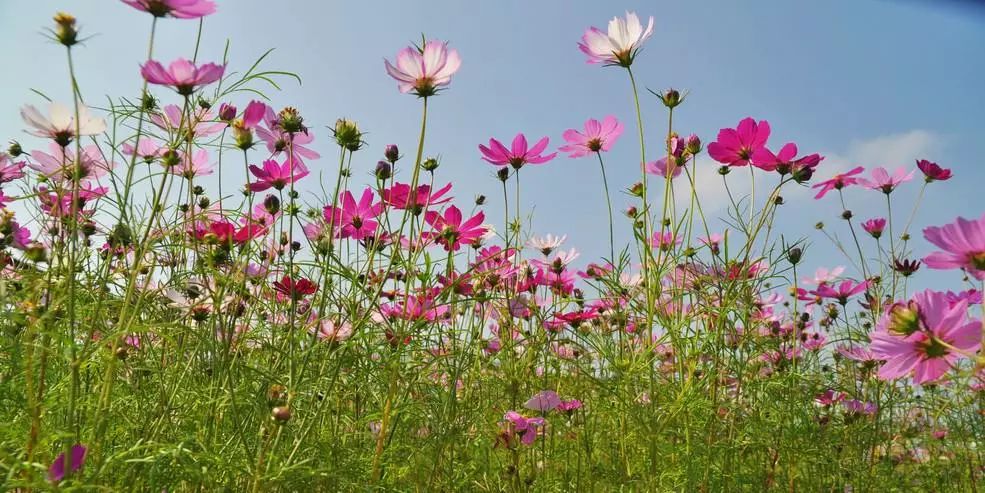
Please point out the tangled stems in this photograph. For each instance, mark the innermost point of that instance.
(608, 203)
(128, 182)
(647, 248)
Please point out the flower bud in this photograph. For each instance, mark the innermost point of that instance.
(846, 215)
(227, 112)
(290, 121)
(794, 255)
(430, 164)
(271, 204)
(391, 153)
(384, 170)
(503, 174)
(631, 211)
(637, 189)
(480, 199)
(347, 135)
(671, 98)
(281, 414)
(15, 149)
(693, 145)
(724, 170)
(65, 30)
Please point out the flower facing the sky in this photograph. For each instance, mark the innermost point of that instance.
(424, 71)
(179, 9)
(60, 124)
(736, 146)
(518, 154)
(183, 75)
(450, 230)
(620, 44)
(874, 226)
(356, 220)
(924, 338)
(597, 137)
(277, 175)
(962, 245)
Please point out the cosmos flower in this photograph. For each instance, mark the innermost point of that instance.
(526, 428)
(60, 123)
(736, 146)
(884, 182)
(183, 75)
(518, 154)
(295, 289)
(924, 339)
(76, 459)
(874, 226)
(839, 181)
(450, 230)
(597, 137)
(543, 401)
(279, 141)
(60, 164)
(10, 170)
(179, 9)
(195, 165)
(932, 171)
(620, 45)
(400, 197)
(277, 176)
(172, 119)
(353, 219)
(786, 161)
(962, 245)
(424, 71)
(546, 244)
(846, 289)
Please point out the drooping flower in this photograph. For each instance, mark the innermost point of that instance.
(884, 182)
(424, 71)
(353, 219)
(942, 334)
(179, 9)
(76, 459)
(277, 175)
(60, 123)
(518, 154)
(839, 181)
(620, 45)
(962, 245)
(736, 146)
(932, 171)
(183, 75)
(597, 137)
(450, 230)
(874, 226)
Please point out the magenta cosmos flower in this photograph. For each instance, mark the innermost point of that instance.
(523, 426)
(424, 71)
(598, 137)
(874, 226)
(786, 161)
(277, 175)
(450, 231)
(839, 181)
(736, 146)
(179, 9)
(76, 458)
(619, 45)
(884, 182)
(933, 171)
(181, 74)
(925, 337)
(962, 245)
(518, 154)
(353, 219)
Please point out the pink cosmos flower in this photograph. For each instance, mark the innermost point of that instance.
(861, 354)
(843, 291)
(598, 137)
(451, 231)
(527, 428)
(963, 246)
(60, 165)
(664, 241)
(736, 146)
(60, 124)
(10, 170)
(882, 181)
(424, 70)
(179, 9)
(786, 161)
(926, 338)
(421, 307)
(329, 331)
(295, 289)
(277, 175)
(277, 139)
(76, 458)
(543, 401)
(659, 168)
(196, 165)
(518, 154)
(146, 149)
(823, 275)
(181, 74)
(400, 197)
(874, 226)
(933, 171)
(829, 397)
(353, 219)
(200, 124)
(839, 181)
(620, 45)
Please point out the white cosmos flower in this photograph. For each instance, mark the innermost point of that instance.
(60, 122)
(620, 44)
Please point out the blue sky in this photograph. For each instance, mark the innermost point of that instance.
(862, 81)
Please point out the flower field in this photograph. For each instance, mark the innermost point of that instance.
(167, 328)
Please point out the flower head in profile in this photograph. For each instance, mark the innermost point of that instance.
(962, 245)
(518, 154)
(933, 171)
(874, 226)
(356, 220)
(294, 289)
(451, 231)
(620, 45)
(401, 197)
(277, 176)
(424, 70)
(936, 335)
(546, 244)
(10, 170)
(736, 146)
(884, 182)
(839, 181)
(522, 426)
(179, 9)
(597, 137)
(543, 401)
(76, 458)
(844, 290)
(183, 75)
(787, 162)
(60, 124)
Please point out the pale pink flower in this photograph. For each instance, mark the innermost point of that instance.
(183, 75)
(424, 71)
(179, 9)
(597, 137)
(60, 124)
(620, 45)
